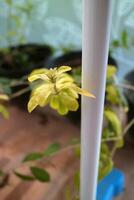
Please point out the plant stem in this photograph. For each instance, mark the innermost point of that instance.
(111, 139)
(129, 125)
(126, 86)
(20, 92)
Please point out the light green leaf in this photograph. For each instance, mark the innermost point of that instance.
(120, 143)
(54, 102)
(113, 120)
(32, 104)
(4, 111)
(53, 148)
(63, 69)
(113, 94)
(105, 166)
(111, 71)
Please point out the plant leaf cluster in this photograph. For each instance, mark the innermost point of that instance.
(57, 88)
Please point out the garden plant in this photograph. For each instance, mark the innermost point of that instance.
(60, 89)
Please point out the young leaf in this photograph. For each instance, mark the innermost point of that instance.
(33, 157)
(40, 174)
(113, 120)
(105, 166)
(24, 177)
(111, 71)
(53, 148)
(4, 111)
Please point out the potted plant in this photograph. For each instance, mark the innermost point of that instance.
(58, 89)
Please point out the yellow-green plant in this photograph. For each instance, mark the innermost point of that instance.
(3, 109)
(57, 88)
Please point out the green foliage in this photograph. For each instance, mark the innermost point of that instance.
(124, 39)
(106, 163)
(4, 111)
(122, 42)
(5, 86)
(53, 148)
(33, 157)
(111, 72)
(115, 43)
(57, 89)
(40, 174)
(57, 79)
(24, 177)
(114, 123)
(114, 95)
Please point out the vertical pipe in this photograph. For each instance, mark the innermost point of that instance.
(96, 31)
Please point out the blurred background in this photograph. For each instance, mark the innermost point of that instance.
(44, 34)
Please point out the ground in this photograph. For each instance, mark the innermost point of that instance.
(24, 133)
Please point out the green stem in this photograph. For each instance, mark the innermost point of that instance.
(129, 125)
(125, 86)
(20, 92)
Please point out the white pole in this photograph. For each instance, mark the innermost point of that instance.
(96, 31)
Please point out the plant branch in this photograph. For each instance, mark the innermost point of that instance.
(126, 86)
(19, 93)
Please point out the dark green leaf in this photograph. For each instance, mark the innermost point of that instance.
(40, 174)
(24, 177)
(53, 148)
(115, 43)
(33, 157)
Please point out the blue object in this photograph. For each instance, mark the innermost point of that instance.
(111, 186)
